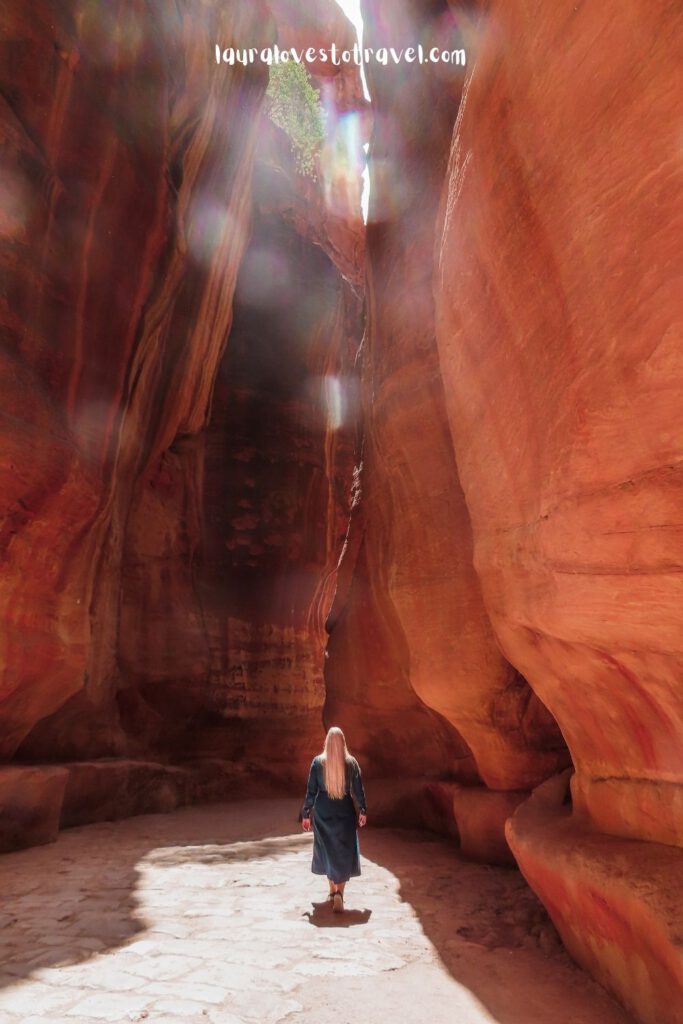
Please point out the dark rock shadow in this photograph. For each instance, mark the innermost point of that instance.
(68, 901)
(234, 854)
(491, 932)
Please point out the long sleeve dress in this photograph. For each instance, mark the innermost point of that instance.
(336, 852)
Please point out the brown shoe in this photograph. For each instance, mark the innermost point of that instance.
(337, 903)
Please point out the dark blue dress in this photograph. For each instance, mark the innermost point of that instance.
(335, 839)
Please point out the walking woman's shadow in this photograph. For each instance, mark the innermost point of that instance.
(323, 916)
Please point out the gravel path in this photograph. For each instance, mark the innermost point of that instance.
(210, 915)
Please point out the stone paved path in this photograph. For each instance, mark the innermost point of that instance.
(211, 916)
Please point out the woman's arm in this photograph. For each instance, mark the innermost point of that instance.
(358, 793)
(309, 800)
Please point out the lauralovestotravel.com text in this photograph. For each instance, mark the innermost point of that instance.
(333, 54)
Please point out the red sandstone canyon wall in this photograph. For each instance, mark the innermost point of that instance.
(558, 325)
(267, 513)
(116, 130)
(414, 643)
(127, 210)
(280, 447)
(193, 435)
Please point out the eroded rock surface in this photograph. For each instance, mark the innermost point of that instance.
(562, 365)
(116, 130)
(413, 657)
(617, 902)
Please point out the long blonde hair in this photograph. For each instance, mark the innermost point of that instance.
(335, 758)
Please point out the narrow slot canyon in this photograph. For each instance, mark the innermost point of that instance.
(341, 398)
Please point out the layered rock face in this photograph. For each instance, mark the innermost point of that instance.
(127, 210)
(557, 300)
(267, 511)
(117, 131)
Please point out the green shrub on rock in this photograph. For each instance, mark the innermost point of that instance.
(296, 108)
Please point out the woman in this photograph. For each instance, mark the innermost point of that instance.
(333, 782)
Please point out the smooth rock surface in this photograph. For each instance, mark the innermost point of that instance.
(115, 309)
(558, 299)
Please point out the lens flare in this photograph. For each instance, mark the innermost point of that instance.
(342, 164)
(334, 401)
(208, 223)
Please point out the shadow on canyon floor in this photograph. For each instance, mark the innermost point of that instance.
(66, 903)
(322, 916)
(492, 934)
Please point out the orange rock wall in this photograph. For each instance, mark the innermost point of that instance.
(616, 902)
(558, 299)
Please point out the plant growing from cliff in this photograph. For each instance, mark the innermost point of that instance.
(296, 108)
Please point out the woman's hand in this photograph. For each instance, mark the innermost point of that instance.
(362, 819)
(306, 824)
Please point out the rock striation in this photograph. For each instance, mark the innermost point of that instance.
(557, 305)
(158, 575)
(113, 327)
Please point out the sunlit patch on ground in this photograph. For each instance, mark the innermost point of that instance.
(212, 914)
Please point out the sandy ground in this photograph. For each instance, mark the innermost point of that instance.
(211, 916)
